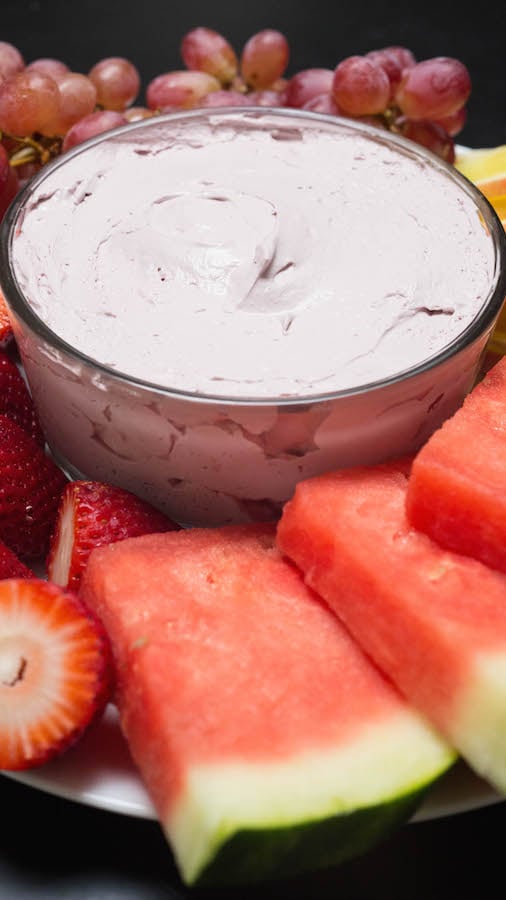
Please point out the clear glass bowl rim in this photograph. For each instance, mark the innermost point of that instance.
(480, 324)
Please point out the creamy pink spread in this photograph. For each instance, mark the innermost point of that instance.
(250, 256)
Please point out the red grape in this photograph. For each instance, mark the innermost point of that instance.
(306, 85)
(11, 60)
(28, 101)
(117, 82)
(96, 123)
(264, 58)
(11, 144)
(8, 190)
(434, 88)
(360, 87)
(180, 89)
(226, 98)
(279, 85)
(55, 68)
(429, 135)
(324, 103)
(4, 167)
(26, 171)
(78, 97)
(265, 98)
(394, 60)
(454, 124)
(404, 57)
(205, 50)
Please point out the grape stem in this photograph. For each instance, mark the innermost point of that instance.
(390, 115)
(30, 149)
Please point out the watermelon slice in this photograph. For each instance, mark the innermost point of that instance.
(457, 489)
(433, 620)
(267, 740)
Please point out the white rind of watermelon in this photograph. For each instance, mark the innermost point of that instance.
(479, 726)
(378, 765)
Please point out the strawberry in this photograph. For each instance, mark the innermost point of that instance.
(11, 566)
(6, 332)
(31, 485)
(55, 671)
(15, 399)
(92, 513)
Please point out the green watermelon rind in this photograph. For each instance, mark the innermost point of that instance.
(269, 853)
(226, 833)
(261, 818)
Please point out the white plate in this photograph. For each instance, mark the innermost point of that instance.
(99, 772)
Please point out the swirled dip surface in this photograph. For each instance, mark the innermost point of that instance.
(253, 256)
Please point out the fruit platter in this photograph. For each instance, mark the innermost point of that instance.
(276, 698)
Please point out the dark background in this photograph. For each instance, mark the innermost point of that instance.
(52, 848)
(321, 33)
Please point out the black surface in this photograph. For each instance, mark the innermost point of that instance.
(51, 848)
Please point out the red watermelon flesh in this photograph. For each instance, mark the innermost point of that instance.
(457, 490)
(434, 621)
(266, 738)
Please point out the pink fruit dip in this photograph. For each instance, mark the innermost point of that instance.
(212, 306)
(253, 257)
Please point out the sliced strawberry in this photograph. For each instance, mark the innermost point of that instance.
(55, 671)
(91, 514)
(11, 566)
(15, 399)
(6, 332)
(31, 485)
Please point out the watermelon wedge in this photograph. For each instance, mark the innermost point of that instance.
(269, 743)
(457, 490)
(433, 620)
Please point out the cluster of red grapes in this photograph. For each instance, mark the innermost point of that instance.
(45, 108)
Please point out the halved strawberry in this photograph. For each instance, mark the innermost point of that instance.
(15, 398)
(93, 513)
(55, 671)
(6, 332)
(31, 485)
(11, 566)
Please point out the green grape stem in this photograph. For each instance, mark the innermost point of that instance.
(36, 148)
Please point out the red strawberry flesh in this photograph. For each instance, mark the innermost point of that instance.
(11, 566)
(15, 399)
(55, 671)
(91, 514)
(31, 485)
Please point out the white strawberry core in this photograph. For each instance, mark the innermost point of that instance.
(60, 564)
(31, 668)
(12, 665)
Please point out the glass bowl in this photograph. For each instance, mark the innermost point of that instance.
(210, 457)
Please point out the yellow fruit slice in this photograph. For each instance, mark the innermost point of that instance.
(499, 204)
(486, 167)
